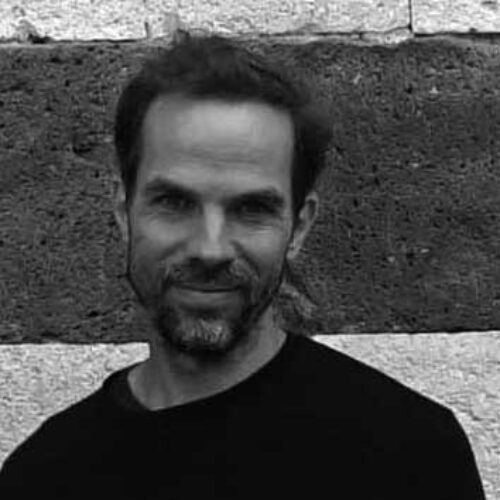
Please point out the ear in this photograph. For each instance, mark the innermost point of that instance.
(304, 222)
(120, 211)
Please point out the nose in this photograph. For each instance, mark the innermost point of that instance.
(210, 240)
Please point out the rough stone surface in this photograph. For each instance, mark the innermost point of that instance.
(83, 19)
(409, 230)
(459, 16)
(276, 16)
(460, 371)
(138, 19)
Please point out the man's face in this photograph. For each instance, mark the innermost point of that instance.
(211, 219)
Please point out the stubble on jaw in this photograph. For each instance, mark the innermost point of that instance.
(201, 333)
(209, 334)
(195, 334)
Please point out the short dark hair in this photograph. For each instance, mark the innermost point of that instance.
(215, 67)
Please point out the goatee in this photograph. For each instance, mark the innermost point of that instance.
(204, 332)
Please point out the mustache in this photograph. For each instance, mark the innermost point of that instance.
(219, 275)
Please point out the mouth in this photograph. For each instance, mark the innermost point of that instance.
(209, 290)
(206, 288)
(209, 296)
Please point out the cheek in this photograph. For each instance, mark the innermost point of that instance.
(147, 260)
(154, 239)
(155, 233)
(267, 250)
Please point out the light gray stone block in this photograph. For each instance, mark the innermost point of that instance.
(461, 16)
(309, 16)
(83, 19)
(359, 16)
(137, 19)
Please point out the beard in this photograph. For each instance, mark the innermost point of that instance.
(204, 332)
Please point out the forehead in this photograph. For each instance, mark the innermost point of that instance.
(214, 144)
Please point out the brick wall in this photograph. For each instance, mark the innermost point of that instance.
(403, 263)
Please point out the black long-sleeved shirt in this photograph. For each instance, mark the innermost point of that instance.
(312, 422)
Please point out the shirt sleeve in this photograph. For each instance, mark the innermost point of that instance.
(468, 484)
(448, 469)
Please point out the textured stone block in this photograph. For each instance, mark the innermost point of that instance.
(409, 230)
(84, 19)
(310, 16)
(435, 16)
(366, 15)
(461, 371)
(137, 19)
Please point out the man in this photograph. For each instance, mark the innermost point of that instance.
(218, 156)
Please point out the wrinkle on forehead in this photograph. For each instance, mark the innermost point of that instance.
(224, 153)
(219, 129)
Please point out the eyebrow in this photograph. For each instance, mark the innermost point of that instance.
(270, 196)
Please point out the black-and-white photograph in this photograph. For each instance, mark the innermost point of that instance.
(250, 249)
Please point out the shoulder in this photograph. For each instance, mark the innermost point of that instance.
(398, 427)
(340, 383)
(68, 429)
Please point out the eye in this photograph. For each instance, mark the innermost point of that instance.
(174, 202)
(253, 209)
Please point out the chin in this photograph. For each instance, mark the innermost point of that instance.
(207, 332)
(201, 337)
(201, 349)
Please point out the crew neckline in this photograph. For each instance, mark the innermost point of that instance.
(117, 388)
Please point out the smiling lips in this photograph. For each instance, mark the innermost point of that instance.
(209, 289)
(204, 295)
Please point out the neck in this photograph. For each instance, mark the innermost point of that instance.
(170, 378)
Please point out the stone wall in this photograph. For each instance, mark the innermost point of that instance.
(406, 246)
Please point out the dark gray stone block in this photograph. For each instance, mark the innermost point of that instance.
(409, 233)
